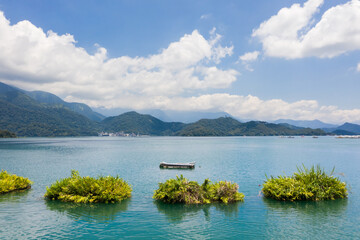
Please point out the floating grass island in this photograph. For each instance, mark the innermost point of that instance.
(181, 190)
(306, 185)
(89, 190)
(11, 182)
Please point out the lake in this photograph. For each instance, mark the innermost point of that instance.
(244, 160)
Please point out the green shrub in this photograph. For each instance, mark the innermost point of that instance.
(181, 190)
(307, 184)
(89, 190)
(11, 182)
(225, 192)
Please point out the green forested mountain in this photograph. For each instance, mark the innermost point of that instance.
(53, 100)
(24, 116)
(350, 127)
(224, 126)
(133, 122)
(227, 126)
(44, 114)
(306, 123)
(211, 127)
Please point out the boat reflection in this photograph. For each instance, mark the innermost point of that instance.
(95, 212)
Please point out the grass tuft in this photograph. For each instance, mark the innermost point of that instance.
(312, 184)
(11, 182)
(181, 190)
(89, 190)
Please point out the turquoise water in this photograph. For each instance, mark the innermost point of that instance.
(244, 160)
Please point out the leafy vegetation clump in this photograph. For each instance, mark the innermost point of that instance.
(181, 190)
(89, 190)
(7, 134)
(307, 184)
(11, 182)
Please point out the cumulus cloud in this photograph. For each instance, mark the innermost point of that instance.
(31, 58)
(243, 107)
(358, 67)
(249, 57)
(293, 33)
(34, 60)
(219, 51)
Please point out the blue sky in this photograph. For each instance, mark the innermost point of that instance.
(260, 60)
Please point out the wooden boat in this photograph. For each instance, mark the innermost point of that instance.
(177, 165)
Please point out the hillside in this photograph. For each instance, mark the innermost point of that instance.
(26, 117)
(133, 122)
(306, 123)
(211, 127)
(55, 101)
(44, 114)
(350, 127)
(226, 126)
(52, 100)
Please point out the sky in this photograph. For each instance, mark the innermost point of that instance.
(260, 60)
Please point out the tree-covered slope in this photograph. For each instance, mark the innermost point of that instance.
(53, 100)
(211, 127)
(350, 127)
(44, 114)
(26, 117)
(231, 127)
(133, 122)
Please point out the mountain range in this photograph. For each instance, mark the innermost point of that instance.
(344, 129)
(133, 122)
(23, 115)
(306, 123)
(38, 113)
(166, 115)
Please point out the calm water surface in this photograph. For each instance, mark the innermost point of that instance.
(244, 160)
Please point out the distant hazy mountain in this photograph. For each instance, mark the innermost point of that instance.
(345, 129)
(343, 132)
(306, 123)
(350, 127)
(166, 115)
(25, 116)
(290, 126)
(190, 116)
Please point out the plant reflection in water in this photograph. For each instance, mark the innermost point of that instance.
(178, 212)
(96, 212)
(15, 196)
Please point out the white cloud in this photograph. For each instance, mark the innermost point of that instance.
(47, 61)
(205, 16)
(218, 51)
(34, 60)
(358, 67)
(292, 33)
(249, 57)
(243, 107)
